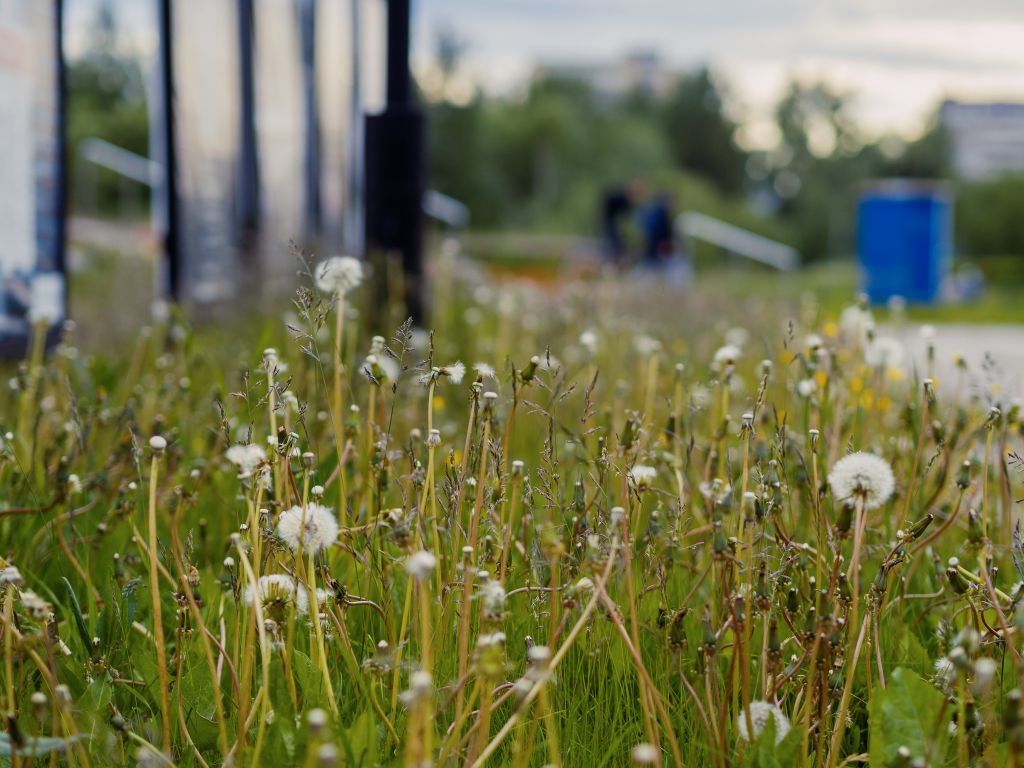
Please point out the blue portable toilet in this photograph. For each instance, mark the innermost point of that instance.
(904, 239)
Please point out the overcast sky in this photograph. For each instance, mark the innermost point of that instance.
(898, 57)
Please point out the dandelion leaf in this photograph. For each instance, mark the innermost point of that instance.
(905, 714)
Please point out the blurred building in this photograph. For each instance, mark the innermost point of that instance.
(640, 71)
(987, 139)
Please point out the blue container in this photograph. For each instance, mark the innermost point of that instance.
(904, 240)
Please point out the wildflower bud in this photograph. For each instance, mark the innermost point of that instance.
(434, 438)
(327, 756)
(845, 519)
(308, 459)
(616, 516)
(317, 491)
(316, 719)
(530, 370)
(956, 579)
(157, 444)
(1012, 709)
(517, 468)
(984, 676)
(918, 528)
(792, 600)
(994, 417)
(539, 654)
(975, 534)
(62, 695)
(490, 398)
(958, 656)
(929, 390)
(968, 639)
(748, 421)
(38, 700)
(813, 434)
(963, 477)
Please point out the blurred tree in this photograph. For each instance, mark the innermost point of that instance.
(106, 99)
(988, 217)
(700, 135)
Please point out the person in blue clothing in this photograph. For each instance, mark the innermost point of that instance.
(659, 240)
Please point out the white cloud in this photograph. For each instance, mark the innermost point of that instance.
(899, 59)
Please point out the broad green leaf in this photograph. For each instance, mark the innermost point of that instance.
(905, 714)
(359, 740)
(311, 681)
(197, 696)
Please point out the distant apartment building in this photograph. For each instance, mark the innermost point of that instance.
(642, 71)
(987, 140)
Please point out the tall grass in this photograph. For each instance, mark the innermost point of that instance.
(620, 544)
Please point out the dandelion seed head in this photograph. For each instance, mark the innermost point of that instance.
(420, 564)
(727, 354)
(484, 371)
(645, 754)
(884, 352)
(246, 458)
(314, 528)
(760, 713)
(338, 274)
(646, 345)
(642, 476)
(862, 475)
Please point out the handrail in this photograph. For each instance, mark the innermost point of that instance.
(445, 209)
(742, 242)
(121, 161)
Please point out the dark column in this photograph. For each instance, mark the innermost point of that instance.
(168, 199)
(248, 172)
(395, 165)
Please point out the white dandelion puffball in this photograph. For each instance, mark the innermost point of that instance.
(737, 336)
(454, 372)
(484, 371)
(885, 352)
(806, 387)
(855, 322)
(314, 528)
(338, 274)
(865, 475)
(303, 604)
(420, 564)
(646, 345)
(727, 355)
(588, 340)
(760, 711)
(246, 458)
(642, 475)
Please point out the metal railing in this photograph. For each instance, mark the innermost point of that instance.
(700, 226)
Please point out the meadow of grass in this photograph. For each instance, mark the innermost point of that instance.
(625, 528)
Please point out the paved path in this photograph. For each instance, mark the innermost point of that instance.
(994, 355)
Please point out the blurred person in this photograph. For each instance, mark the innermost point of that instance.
(662, 250)
(616, 205)
(659, 240)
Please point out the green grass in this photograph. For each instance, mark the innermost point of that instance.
(675, 599)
